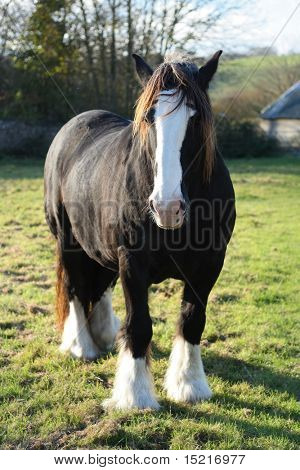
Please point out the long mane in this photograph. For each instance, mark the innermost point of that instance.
(181, 76)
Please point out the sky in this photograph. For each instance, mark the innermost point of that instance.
(260, 21)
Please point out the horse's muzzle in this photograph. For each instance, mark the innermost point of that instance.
(168, 214)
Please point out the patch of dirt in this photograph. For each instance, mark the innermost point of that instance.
(106, 383)
(11, 222)
(35, 224)
(36, 310)
(205, 436)
(19, 325)
(43, 286)
(13, 273)
(213, 338)
(216, 337)
(224, 298)
(5, 357)
(167, 289)
(27, 335)
(247, 412)
(21, 279)
(96, 432)
(6, 290)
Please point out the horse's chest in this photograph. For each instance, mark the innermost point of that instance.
(173, 263)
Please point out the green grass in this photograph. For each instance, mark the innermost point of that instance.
(249, 346)
(234, 73)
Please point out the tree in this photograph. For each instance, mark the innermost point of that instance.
(89, 52)
(76, 54)
(47, 59)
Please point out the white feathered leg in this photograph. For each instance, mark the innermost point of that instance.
(133, 387)
(104, 324)
(76, 338)
(185, 380)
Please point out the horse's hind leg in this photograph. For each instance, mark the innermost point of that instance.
(75, 272)
(104, 324)
(91, 325)
(76, 337)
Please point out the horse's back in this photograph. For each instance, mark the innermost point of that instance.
(76, 153)
(80, 134)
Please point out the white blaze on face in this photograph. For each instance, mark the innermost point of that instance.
(171, 125)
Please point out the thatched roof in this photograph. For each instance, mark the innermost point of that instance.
(286, 107)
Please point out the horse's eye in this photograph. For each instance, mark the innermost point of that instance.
(149, 116)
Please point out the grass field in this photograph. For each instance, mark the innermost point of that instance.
(249, 346)
(232, 73)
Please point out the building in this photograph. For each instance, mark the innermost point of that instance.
(281, 119)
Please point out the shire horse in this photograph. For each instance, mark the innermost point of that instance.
(143, 200)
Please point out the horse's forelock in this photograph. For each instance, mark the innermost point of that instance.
(181, 76)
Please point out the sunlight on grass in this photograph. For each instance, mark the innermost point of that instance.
(249, 345)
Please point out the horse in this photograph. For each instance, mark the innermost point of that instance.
(143, 201)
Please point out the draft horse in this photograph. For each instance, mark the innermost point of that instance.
(143, 200)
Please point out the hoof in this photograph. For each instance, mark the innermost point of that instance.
(77, 352)
(189, 392)
(125, 404)
(133, 385)
(185, 378)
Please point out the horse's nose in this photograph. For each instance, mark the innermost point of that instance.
(168, 214)
(166, 206)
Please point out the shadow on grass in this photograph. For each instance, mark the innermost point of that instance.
(245, 426)
(236, 371)
(154, 437)
(161, 439)
(140, 430)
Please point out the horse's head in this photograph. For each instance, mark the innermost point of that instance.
(173, 101)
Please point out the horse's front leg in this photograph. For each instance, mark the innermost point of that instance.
(133, 386)
(185, 379)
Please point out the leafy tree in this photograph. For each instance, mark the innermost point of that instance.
(47, 61)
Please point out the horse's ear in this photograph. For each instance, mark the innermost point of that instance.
(144, 70)
(207, 71)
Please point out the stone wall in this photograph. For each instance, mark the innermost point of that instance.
(21, 138)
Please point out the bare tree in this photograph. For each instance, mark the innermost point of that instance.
(89, 50)
(13, 17)
(101, 27)
(129, 67)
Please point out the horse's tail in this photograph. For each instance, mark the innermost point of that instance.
(62, 301)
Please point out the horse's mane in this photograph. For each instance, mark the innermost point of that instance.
(180, 74)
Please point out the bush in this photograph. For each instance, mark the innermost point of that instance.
(243, 139)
